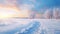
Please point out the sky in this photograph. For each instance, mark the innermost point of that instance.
(36, 4)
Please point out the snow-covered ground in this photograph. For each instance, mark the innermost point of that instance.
(29, 26)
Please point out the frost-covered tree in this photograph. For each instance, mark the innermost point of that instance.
(48, 14)
(56, 13)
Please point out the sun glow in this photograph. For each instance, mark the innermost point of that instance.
(8, 12)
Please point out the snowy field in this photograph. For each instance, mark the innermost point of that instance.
(29, 26)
